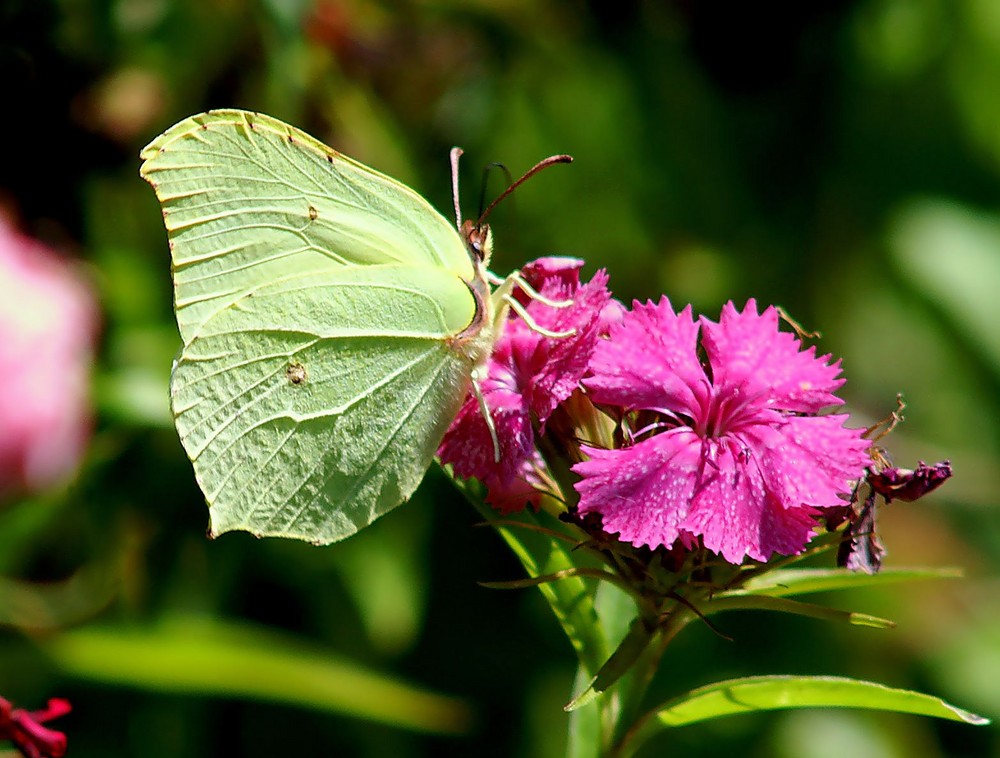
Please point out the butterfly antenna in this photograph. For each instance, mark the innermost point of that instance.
(456, 153)
(551, 160)
(486, 179)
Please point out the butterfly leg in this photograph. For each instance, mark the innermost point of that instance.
(484, 409)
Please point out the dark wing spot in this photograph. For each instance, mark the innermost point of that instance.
(296, 373)
(291, 139)
(329, 159)
(313, 213)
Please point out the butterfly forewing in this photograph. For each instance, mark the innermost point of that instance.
(248, 199)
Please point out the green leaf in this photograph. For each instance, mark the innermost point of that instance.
(786, 582)
(238, 660)
(640, 635)
(585, 738)
(765, 693)
(781, 605)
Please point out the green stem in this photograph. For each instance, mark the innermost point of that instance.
(634, 690)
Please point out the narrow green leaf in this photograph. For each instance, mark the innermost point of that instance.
(782, 605)
(640, 634)
(585, 738)
(765, 693)
(787, 582)
(214, 658)
(581, 572)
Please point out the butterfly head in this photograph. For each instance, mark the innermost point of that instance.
(478, 239)
(476, 234)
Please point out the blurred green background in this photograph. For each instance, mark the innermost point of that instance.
(841, 159)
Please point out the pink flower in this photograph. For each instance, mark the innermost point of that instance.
(735, 453)
(528, 375)
(48, 323)
(24, 729)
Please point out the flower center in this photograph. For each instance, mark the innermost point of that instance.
(725, 410)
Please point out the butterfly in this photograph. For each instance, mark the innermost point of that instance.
(332, 323)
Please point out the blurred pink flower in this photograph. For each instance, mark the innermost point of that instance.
(737, 455)
(48, 324)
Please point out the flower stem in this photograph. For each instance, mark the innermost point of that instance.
(635, 687)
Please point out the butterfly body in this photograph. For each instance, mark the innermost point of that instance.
(331, 321)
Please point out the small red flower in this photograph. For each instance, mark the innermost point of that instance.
(24, 729)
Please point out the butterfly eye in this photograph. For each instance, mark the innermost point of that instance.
(478, 240)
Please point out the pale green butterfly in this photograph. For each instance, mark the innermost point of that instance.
(332, 324)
